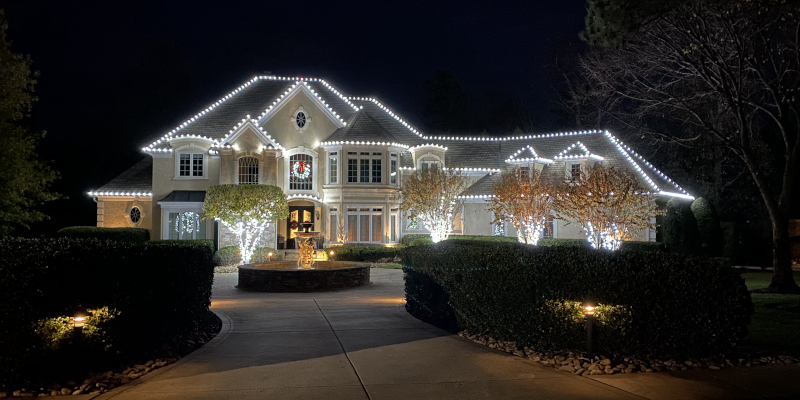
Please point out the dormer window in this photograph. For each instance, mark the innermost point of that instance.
(574, 171)
(426, 166)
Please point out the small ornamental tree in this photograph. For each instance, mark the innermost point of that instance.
(610, 204)
(524, 199)
(432, 197)
(246, 210)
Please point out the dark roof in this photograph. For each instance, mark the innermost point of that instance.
(138, 178)
(253, 100)
(185, 196)
(362, 128)
(483, 186)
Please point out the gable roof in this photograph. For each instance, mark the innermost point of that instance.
(367, 120)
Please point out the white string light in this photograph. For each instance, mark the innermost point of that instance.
(512, 159)
(119, 193)
(356, 143)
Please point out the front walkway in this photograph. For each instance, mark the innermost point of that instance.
(361, 344)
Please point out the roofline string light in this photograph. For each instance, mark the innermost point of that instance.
(304, 196)
(513, 160)
(422, 146)
(354, 143)
(119, 193)
(222, 145)
(624, 150)
(564, 154)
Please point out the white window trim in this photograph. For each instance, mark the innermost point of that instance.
(294, 119)
(370, 157)
(314, 170)
(398, 223)
(568, 169)
(338, 158)
(394, 157)
(358, 226)
(191, 152)
(260, 168)
(177, 207)
(425, 159)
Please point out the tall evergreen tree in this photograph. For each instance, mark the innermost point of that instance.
(24, 178)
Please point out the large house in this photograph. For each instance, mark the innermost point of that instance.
(340, 160)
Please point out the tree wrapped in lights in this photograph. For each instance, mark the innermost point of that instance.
(246, 210)
(432, 197)
(611, 205)
(523, 198)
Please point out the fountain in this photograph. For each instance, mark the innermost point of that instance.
(306, 275)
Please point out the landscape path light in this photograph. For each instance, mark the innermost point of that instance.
(588, 312)
(269, 256)
(78, 322)
(331, 254)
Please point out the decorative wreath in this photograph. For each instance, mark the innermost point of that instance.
(188, 220)
(301, 170)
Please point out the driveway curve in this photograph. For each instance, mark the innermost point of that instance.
(351, 344)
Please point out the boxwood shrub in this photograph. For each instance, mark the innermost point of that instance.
(648, 303)
(228, 255)
(260, 255)
(406, 239)
(139, 235)
(363, 253)
(160, 289)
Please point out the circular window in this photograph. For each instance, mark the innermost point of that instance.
(136, 215)
(300, 119)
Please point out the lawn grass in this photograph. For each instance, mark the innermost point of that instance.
(775, 327)
(390, 266)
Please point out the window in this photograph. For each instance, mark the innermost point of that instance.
(575, 171)
(334, 225)
(549, 230)
(429, 165)
(393, 169)
(300, 119)
(190, 164)
(365, 167)
(525, 170)
(365, 224)
(135, 215)
(333, 167)
(393, 225)
(300, 172)
(352, 170)
(248, 171)
(364, 163)
(376, 170)
(186, 225)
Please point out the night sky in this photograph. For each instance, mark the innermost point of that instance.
(113, 77)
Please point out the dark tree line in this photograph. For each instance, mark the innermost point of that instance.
(713, 81)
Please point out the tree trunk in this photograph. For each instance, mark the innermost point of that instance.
(782, 278)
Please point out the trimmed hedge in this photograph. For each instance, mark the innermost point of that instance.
(363, 253)
(228, 255)
(709, 226)
(160, 289)
(260, 255)
(681, 234)
(419, 241)
(406, 239)
(138, 235)
(555, 242)
(648, 303)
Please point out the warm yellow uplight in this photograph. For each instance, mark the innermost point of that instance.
(588, 310)
(331, 253)
(78, 322)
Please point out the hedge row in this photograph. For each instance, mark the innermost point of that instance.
(230, 255)
(138, 235)
(648, 303)
(159, 289)
(363, 253)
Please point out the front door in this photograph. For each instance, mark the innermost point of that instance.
(297, 215)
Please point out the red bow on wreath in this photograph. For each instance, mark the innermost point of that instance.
(294, 224)
(301, 167)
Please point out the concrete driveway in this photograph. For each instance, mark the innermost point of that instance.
(361, 344)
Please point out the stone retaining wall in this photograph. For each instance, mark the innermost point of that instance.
(266, 280)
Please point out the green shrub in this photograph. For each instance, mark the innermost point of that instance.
(405, 240)
(709, 226)
(642, 246)
(648, 303)
(508, 239)
(228, 255)
(363, 253)
(260, 255)
(419, 241)
(681, 234)
(138, 235)
(150, 292)
(555, 242)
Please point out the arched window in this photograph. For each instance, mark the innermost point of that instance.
(301, 172)
(248, 171)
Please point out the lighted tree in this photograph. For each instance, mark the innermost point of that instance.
(246, 210)
(432, 197)
(523, 198)
(610, 204)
